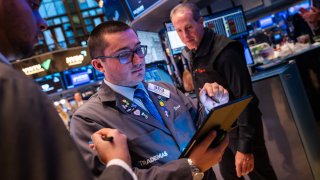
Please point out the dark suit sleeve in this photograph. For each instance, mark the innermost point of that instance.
(232, 66)
(34, 141)
(115, 172)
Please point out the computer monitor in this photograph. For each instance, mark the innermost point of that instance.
(155, 51)
(295, 9)
(78, 76)
(266, 22)
(230, 23)
(137, 8)
(157, 72)
(50, 83)
(277, 36)
(247, 52)
(175, 43)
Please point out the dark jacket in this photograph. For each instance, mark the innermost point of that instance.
(35, 144)
(221, 60)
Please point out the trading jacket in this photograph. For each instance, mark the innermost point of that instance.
(151, 144)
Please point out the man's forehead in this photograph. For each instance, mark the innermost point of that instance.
(184, 11)
(122, 35)
(182, 15)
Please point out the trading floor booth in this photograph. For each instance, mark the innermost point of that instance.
(291, 133)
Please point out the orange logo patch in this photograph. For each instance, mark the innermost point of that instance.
(199, 70)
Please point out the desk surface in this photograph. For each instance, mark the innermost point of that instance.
(269, 73)
(312, 47)
(275, 71)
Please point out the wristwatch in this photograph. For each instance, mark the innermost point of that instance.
(196, 173)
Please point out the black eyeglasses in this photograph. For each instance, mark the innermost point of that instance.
(126, 56)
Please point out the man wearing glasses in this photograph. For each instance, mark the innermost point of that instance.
(157, 119)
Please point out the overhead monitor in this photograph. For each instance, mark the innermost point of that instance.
(295, 9)
(137, 8)
(266, 22)
(281, 15)
(50, 83)
(230, 23)
(155, 51)
(175, 43)
(78, 76)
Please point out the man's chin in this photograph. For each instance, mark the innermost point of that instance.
(191, 46)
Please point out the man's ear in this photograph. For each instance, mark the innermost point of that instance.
(96, 63)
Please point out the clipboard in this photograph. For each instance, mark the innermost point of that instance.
(220, 119)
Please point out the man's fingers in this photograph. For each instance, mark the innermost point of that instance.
(239, 170)
(244, 167)
(208, 140)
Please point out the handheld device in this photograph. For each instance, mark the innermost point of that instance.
(220, 119)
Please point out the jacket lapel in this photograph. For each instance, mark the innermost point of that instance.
(126, 106)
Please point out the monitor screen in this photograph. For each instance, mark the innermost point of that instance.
(175, 43)
(51, 83)
(277, 36)
(266, 22)
(78, 76)
(230, 23)
(295, 9)
(137, 8)
(152, 40)
(157, 72)
(247, 52)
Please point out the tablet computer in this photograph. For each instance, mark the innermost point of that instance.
(220, 119)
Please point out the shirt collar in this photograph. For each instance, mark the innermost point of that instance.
(125, 91)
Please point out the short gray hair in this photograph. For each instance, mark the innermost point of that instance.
(190, 6)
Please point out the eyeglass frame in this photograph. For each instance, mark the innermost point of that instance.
(127, 59)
